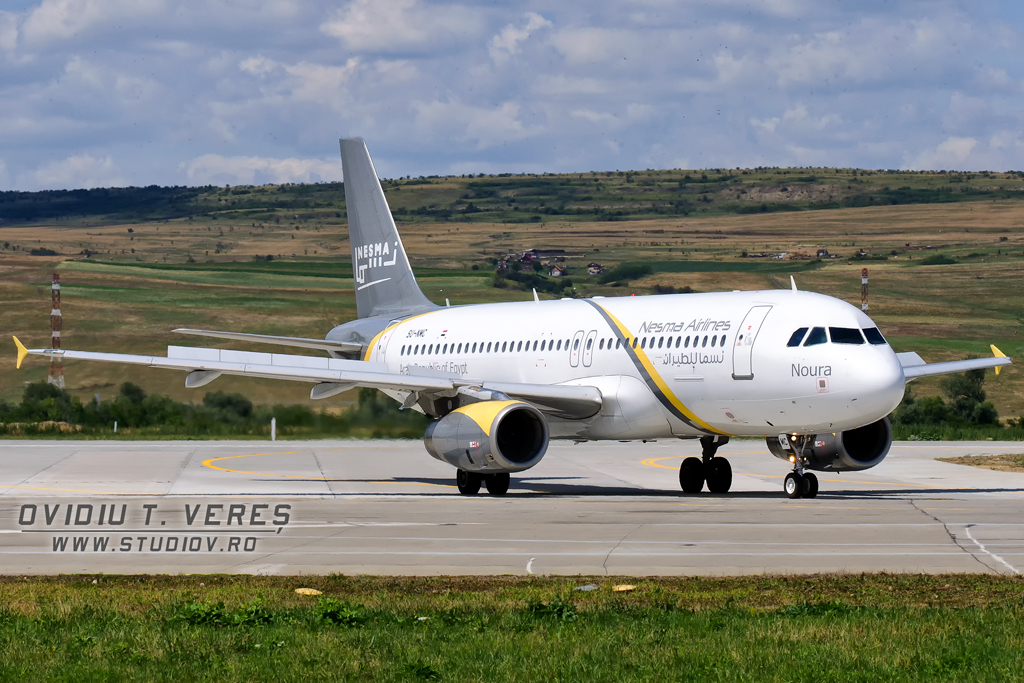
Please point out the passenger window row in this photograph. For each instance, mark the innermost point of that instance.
(838, 335)
(558, 345)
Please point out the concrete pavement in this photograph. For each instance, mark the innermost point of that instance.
(386, 507)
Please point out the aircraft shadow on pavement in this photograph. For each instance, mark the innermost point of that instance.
(539, 487)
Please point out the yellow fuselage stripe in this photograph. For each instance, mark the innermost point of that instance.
(369, 349)
(656, 378)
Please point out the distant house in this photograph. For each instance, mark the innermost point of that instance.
(595, 269)
(558, 271)
(823, 253)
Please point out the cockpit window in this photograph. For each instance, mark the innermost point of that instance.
(874, 336)
(797, 337)
(817, 336)
(845, 335)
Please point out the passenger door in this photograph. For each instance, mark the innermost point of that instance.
(743, 346)
(574, 349)
(588, 348)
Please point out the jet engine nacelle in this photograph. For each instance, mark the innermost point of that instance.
(856, 449)
(489, 436)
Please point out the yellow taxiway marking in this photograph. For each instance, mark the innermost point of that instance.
(653, 462)
(208, 463)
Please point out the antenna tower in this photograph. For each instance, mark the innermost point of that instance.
(864, 289)
(56, 366)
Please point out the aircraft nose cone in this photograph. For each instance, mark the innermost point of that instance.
(878, 380)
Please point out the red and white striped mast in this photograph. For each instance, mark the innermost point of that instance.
(56, 366)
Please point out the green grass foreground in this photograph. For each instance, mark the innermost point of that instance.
(227, 628)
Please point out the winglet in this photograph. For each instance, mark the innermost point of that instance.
(998, 354)
(792, 281)
(23, 352)
(535, 297)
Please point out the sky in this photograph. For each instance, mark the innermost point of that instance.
(98, 93)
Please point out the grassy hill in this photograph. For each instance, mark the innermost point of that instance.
(512, 198)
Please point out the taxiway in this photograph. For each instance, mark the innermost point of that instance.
(386, 507)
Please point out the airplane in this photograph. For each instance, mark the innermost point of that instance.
(810, 374)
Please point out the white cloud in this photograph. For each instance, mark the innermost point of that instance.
(876, 49)
(592, 45)
(797, 119)
(304, 82)
(506, 43)
(964, 112)
(64, 19)
(8, 31)
(1003, 150)
(240, 89)
(482, 126)
(376, 26)
(214, 169)
(76, 171)
(562, 85)
(953, 153)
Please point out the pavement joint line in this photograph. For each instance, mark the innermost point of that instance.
(389, 539)
(990, 553)
(102, 493)
(523, 554)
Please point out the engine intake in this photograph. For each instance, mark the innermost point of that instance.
(856, 449)
(489, 436)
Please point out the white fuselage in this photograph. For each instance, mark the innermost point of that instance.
(681, 365)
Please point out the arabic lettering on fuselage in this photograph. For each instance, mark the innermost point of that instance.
(693, 358)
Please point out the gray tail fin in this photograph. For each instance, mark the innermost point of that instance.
(385, 284)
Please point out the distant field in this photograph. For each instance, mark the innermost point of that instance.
(200, 269)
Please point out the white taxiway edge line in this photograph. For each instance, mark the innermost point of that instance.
(987, 552)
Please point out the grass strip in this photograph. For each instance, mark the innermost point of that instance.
(227, 628)
(1006, 462)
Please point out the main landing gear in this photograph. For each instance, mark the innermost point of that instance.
(717, 472)
(469, 482)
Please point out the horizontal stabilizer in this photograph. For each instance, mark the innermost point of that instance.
(298, 342)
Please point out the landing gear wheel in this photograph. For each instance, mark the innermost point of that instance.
(497, 484)
(468, 482)
(718, 473)
(812, 485)
(794, 485)
(691, 475)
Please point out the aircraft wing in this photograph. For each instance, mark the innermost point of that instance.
(334, 375)
(914, 366)
(300, 342)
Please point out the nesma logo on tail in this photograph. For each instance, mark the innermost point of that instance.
(372, 256)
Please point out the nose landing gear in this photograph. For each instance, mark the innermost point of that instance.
(717, 472)
(800, 484)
